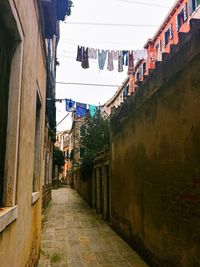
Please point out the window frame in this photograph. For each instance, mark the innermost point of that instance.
(9, 209)
(38, 138)
(168, 35)
(193, 6)
(184, 13)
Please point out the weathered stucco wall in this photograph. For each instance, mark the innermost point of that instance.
(20, 241)
(85, 190)
(155, 179)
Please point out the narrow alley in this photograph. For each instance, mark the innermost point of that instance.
(74, 235)
(99, 133)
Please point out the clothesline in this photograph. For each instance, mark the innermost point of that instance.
(75, 42)
(89, 84)
(124, 57)
(143, 3)
(60, 100)
(80, 109)
(110, 24)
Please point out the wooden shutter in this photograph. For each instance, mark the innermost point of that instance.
(185, 12)
(191, 5)
(177, 23)
(164, 40)
(5, 61)
(160, 44)
(170, 32)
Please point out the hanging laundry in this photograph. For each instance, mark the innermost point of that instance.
(90, 55)
(92, 110)
(120, 61)
(81, 109)
(110, 66)
(114, 54)
(79, 56)
(143, 54)
(102, 58)
(140, 54)
(93, 53)
(130, 63)
(125, 57)
(85, 59)
(136, 54)
(69, 105)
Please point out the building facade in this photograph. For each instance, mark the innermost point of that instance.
(101, 186)
(75, 149)
(119, 97)
(155, 146)
(63, 144)
(176, 21)
(26, 28)
(23, 91)
(53, 12)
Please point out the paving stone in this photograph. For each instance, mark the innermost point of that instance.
(73, 235)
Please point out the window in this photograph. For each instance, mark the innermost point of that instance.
(167, 36)
(181, 17)
(158, 51)
(5, 63)
(11, 58)
(158, 47)
(125, 92)
(193, 5)
(144, 67)
(36, 171)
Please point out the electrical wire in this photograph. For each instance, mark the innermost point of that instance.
(65, 56)
(110, 24)
(75, 42)
(62, 120)
(89, 84)
(143, 3)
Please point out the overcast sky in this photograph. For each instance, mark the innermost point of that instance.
(102, 37)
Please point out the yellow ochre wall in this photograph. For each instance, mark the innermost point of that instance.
(155, 176)
(19, 242)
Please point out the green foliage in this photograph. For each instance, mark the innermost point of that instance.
(95, 133)
(71, 156)
(69, 6)
(58, 157)
(95, 137)
(52, 133)
(86, 167)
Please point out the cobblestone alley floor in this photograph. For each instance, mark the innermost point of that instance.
(74, 235)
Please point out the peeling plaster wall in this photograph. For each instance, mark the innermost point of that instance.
(155, 179)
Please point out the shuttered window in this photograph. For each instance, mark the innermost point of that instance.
(193, 4)
(197, 3)
(5, 62)
(185, 12)
(170, 32)
(164, 40)
(181, 18)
